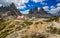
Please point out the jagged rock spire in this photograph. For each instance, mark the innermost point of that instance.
(13, 7)
(35, 10)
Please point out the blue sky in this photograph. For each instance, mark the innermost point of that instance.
(32, 4)
(51, 6)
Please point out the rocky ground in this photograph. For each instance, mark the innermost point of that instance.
(30, 28)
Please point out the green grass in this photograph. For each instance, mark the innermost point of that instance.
(4, 24)
(18, 28)
(53, 30)
(28, 22)
(37, 22)
(3, 35)
(56, 19)
(10, 28)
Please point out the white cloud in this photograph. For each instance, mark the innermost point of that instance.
(52, 7)
(38, 0)
(21, 7)
(38, 8)
(18, 3)
(53, 11)
(41, 2)
(58, 4)
(56, 10)
(0, 5)
(46, 8)
(25, 12)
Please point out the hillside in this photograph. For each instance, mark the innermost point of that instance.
(28, 28)
(43, 26)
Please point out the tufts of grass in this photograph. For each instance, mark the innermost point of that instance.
(37, 23)
(3, 35)
(53, 30)
(18, 28)
(4, 24)
(28, 22)
(11, 26)
(56, 19)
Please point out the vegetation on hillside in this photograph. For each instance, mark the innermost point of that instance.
(56, 19)
(8, 27)
(53, 30)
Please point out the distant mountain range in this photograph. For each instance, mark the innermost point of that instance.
(39, 13)
(13, 11)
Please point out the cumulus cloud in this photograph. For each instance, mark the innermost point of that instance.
(46, 8)
(41, 1)
(58, 4)
(56, 10)
(52, 7)
(19, 3)
(25, 12)
(53, 11)
(21, 6)
(0, 5)
(38, 0)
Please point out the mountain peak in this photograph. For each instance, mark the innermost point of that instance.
(12, 5)
(9, 11)
(39, 13)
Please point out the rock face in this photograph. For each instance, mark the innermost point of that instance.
(42, 11)
(9, 11)
(13, 7)
(35, 11)
(39, 13)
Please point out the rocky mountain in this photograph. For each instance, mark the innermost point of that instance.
(34, 11)
(39, 13)
(8, 11)
(13, 7)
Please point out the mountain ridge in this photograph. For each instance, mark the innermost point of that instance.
(39, 13)
(10, 11)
